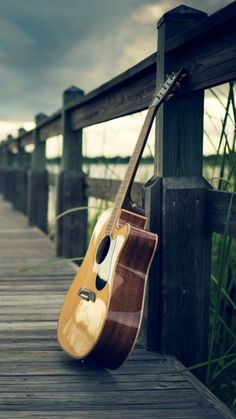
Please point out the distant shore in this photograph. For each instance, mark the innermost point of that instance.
(213, 159)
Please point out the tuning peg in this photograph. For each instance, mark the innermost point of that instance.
(168, 97)
(184, 75)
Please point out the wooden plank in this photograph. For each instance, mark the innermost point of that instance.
(208, 50)
(107, 189)
(141, 412)
(72, 155)
(150, 332)
(127, 93)
(183, 281)
(217, 211)
(178, 145)
(38, 380)
(38, 198)
(207, 28)
(110, 102)
(71, 231)
(27, 138)
(52, 128)
(186, 263)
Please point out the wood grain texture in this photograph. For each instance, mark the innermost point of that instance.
(124, 99)
(71, 235)
(107, 189)
(150, 332)
(179, 135)
(72, 156)
(37, 380)
(52, 127)
(217, 211)
(125, 308)
(186, 268)
(208, 49)
(105, 328)
(20, 197)
(37, 198)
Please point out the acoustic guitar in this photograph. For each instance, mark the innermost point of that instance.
(102, 311)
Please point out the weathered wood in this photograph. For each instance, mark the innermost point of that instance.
(9, 184)
(37, 205)
(20, 197)
(186, 268)
(72, 141)
(150, 331)
(38, 380)
(125, 98)
(38, 155)
(217, 211)
(52, 128)
(9, 177)
(71, 236)
(71, 230)
(183, 272)
(178, 145)
(27, 138)
(107, 188)
(59, 210)
(208, 49)
(23, 164)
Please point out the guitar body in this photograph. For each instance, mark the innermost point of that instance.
(102, 311)
(103, 308)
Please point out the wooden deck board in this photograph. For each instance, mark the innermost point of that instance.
(37, 380)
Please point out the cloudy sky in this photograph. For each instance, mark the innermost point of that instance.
(48, 45)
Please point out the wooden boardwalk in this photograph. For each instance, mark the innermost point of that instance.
(37, 380)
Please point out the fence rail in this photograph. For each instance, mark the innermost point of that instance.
(180, 205)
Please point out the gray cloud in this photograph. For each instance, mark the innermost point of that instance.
(46, 46)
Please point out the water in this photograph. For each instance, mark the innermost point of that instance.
(111, 171)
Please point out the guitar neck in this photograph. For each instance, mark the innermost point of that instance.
(126, 184)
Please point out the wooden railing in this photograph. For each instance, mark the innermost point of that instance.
(181, 206)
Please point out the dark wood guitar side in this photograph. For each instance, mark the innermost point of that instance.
(125, 313)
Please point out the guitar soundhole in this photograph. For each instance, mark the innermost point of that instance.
(103, 249)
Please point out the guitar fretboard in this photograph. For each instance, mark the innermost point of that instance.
(126, 183)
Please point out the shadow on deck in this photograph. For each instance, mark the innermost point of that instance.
(38, 380)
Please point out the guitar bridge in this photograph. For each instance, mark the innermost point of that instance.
(87, 295)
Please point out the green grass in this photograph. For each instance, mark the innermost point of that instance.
(221, 375)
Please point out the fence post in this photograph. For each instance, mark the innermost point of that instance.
(181, 280)
(38, 181)
(1, 166)
(20, 199)
(71, 230)
(9, 172)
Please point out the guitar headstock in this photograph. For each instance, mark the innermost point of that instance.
(167, 90)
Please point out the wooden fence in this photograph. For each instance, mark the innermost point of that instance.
(182, 208)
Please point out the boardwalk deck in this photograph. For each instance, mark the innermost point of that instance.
(37, 380)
